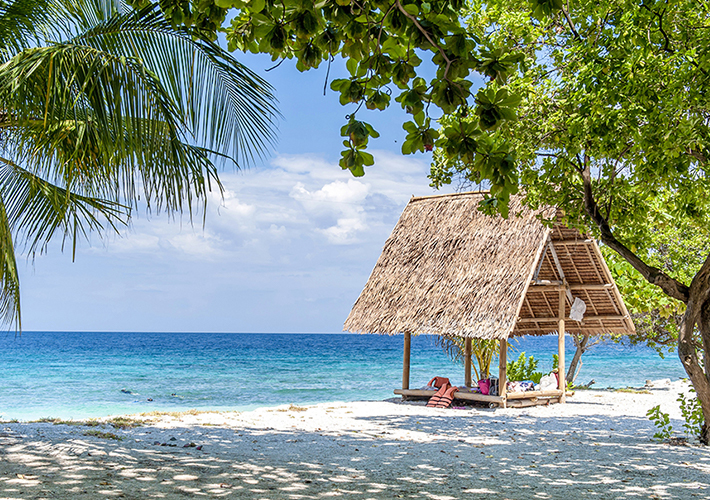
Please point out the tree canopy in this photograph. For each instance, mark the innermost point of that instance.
(417, 54)
(613, 128)
(103, 108)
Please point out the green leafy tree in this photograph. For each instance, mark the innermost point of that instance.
(678, 247)
(103, 108)
(614, 123)
(414, 54)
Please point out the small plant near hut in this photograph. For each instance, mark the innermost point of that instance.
(523, 369)
(662, 422)
(482, 353)
(692, 414)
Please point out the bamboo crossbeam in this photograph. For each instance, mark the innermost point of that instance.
(585, 319)
(470, 396)
(523, 403)
(553, 284)
(534, 394)
(573, 242)
(575, 329)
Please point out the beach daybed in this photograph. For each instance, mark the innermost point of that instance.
(447, 269)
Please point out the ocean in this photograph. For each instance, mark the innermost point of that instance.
(82, 375)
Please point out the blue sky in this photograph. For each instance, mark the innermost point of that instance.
(287, 249)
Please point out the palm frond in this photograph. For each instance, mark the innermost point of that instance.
(21, 22)
(103, 107)
(97, 124)
(228, 107)
(36, 209)
(9, 278)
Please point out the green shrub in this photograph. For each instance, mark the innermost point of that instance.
(692, 414)
(523, 369)
(662, 421)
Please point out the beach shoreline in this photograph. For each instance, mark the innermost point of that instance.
(598, 445)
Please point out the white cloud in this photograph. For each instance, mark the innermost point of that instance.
(299, 237)
(345, 231)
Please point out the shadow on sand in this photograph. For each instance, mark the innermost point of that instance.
(429, 454)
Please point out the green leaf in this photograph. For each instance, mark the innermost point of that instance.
(412, 9)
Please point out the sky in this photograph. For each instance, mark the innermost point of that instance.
(287, 249)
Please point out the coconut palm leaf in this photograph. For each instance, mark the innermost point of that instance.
(229, 108)
(100, 124)
(9, 280)
(103, 108)
(37, 209)
(19, 21)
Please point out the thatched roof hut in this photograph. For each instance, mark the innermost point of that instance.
(448, 269)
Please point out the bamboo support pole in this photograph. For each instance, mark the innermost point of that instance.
(562, 383)
(502, 366)
(467, 362)
(405, 363)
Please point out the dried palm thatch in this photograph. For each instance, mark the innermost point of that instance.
(448, 269)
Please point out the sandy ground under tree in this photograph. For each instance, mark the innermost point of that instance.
(598, 445)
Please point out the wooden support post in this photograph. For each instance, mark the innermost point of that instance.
(405, 364)
(502, 366)
(561, 372)
(467, 362)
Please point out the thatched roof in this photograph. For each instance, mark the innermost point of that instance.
(448, 269)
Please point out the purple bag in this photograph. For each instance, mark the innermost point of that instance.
(484, 385)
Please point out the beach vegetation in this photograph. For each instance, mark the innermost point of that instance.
(662, 422)
(69, 422)
(103, 435)
(483, 352)
(124, 423)
(692, 413)
(523, 369)
(632, 390)
(47, 420)
(105, 108)
(58, 421)
(178, 414)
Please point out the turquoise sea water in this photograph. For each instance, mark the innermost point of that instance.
(81, 375)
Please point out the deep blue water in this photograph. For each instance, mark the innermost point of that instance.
(81, 374)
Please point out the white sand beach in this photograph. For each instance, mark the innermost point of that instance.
(598, 445)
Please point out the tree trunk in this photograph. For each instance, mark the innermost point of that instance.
(704, 327)
(696, 298)
(697, 313)
(581, 348)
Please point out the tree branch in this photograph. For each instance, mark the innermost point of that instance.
(670, 286)
(426, 35)
(698, 155)
(570, 23)
(667, 41)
